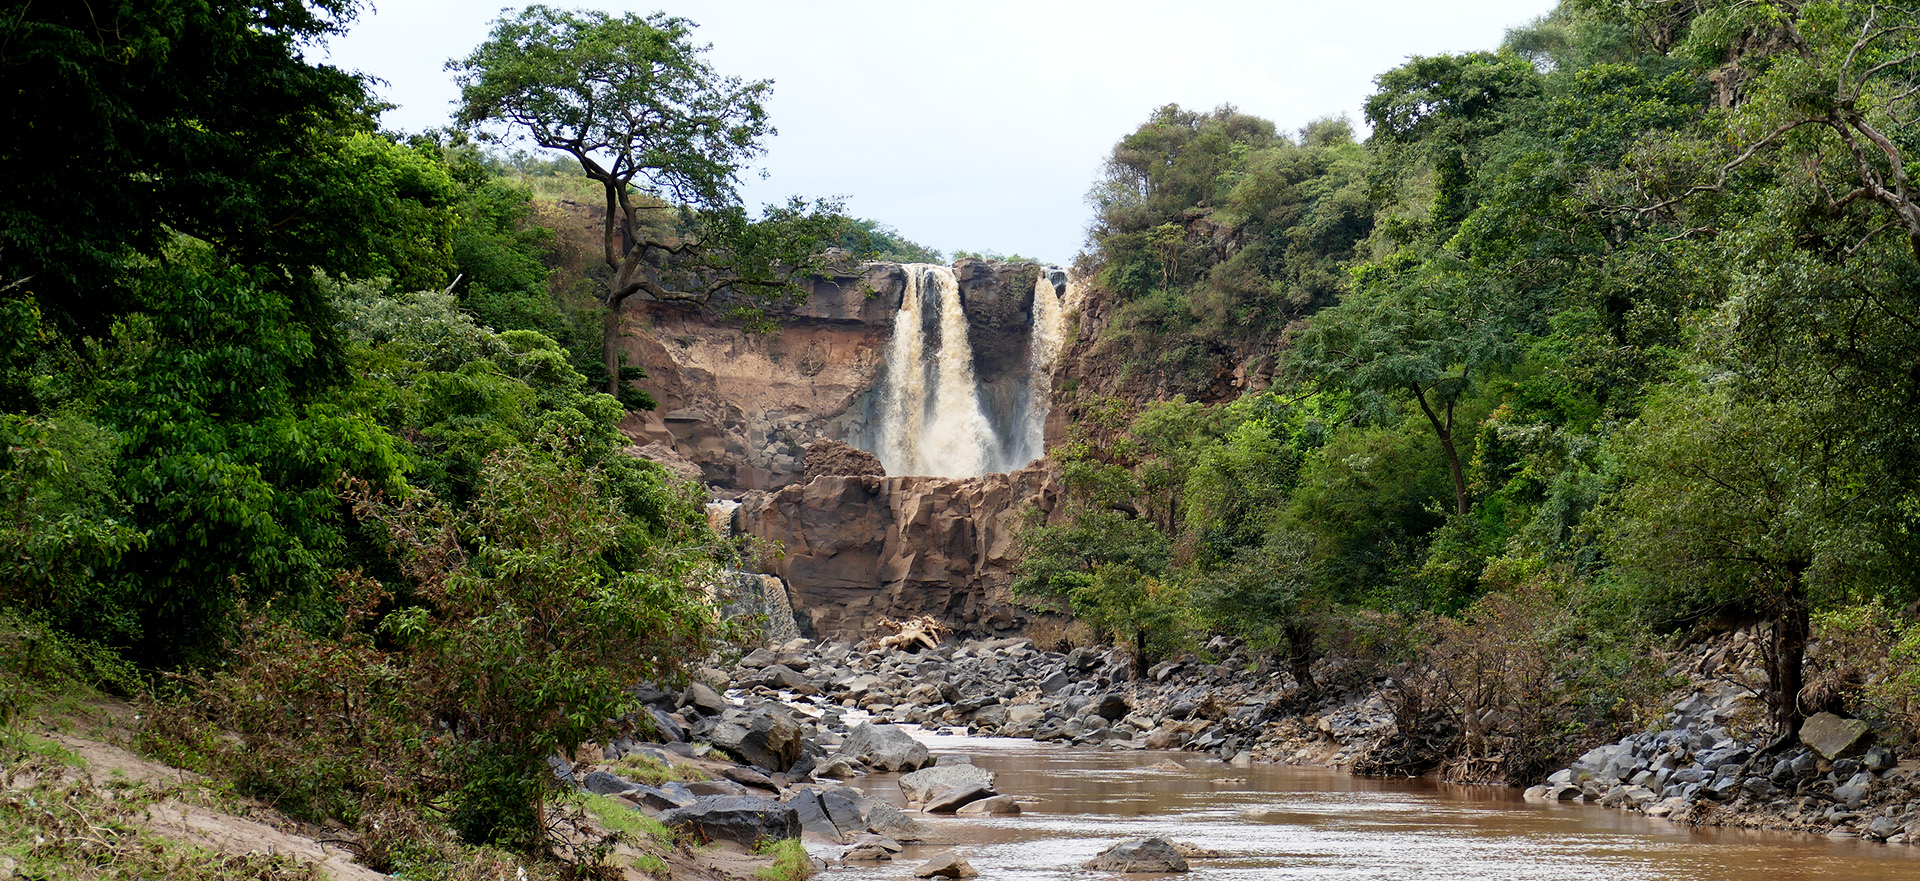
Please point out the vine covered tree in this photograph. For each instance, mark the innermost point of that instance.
(633, 100)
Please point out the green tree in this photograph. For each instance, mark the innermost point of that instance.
(1413, 330)
(665, 136)
(1445, 108)
(1743, 505)
(129, 122)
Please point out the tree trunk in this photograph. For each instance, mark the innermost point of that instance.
(610, 348)
(1786, 674)
(1300, 659)
(1444, 431)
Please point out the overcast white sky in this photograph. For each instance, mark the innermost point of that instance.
(978, 125)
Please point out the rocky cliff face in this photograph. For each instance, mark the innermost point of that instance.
(743, 406)
(858, 548)
(743, 409)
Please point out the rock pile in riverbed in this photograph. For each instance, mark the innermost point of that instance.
(1006, 687)
(1695, 770)
(805, 721)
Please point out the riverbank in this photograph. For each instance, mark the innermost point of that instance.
(793, 709)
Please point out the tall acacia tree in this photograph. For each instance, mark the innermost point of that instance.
(634, 102)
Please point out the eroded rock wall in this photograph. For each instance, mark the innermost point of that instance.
(856, 549)
(743, 406)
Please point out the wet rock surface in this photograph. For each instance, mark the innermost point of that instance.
(1156, 856)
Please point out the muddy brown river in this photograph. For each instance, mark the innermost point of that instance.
(1316, 823)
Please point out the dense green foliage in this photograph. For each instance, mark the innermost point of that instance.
(633, 100)
(1610, 331)
(293, 411)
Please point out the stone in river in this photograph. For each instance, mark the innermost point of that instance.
(998, 804)
(1150, 855)
(865, 853)
(813, 815)
(948, 800)
(945, 864)
(922, 784)
(885, 747)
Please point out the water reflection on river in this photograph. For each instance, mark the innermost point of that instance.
(1322, 824)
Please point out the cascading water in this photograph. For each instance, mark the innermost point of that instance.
(946, 433)
(1043, 346)
(931, 420)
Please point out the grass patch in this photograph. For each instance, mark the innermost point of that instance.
(790, 861)
(58, 824)
(651, 838)
(642, 768)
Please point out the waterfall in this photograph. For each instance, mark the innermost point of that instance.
(931, 418)
(1043, 346)
(945, 433)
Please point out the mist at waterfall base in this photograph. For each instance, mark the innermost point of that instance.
(932, 418)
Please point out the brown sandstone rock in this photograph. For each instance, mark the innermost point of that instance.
(832, 457)
(858, 549)
(742, 405)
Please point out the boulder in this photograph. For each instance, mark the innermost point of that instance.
(865, 853)
(783, 676)
(838, 768)
(662, 798)
(884, 747)
(853, 814)
(716, 787)
(603, 783)
(996, 804)
(748, 776)
(1853, 793)
(742, 819)
(1145, 855)
(766, 736)
(871, 840)
(829, 457)
(948, 800)
(1022, 715)
(885, 819)
(812, 813)
(703, 698)
(1112, 706)
(1833, 737)
(945, 864)
(924, 783)
(845, 808)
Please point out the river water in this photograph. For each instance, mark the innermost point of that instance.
(1281, 822)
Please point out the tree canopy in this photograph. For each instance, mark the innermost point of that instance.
(633, 101)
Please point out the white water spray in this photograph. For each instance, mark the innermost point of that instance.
(931, 417)
(946, 433)
(1043, 347)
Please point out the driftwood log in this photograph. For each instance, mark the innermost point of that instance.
(914, 634)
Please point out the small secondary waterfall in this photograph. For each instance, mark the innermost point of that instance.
(931, 419)
(945, 433)
(1043, 346)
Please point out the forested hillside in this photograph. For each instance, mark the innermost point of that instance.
(300, 435)
(1600, 341)
(1586, 347)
